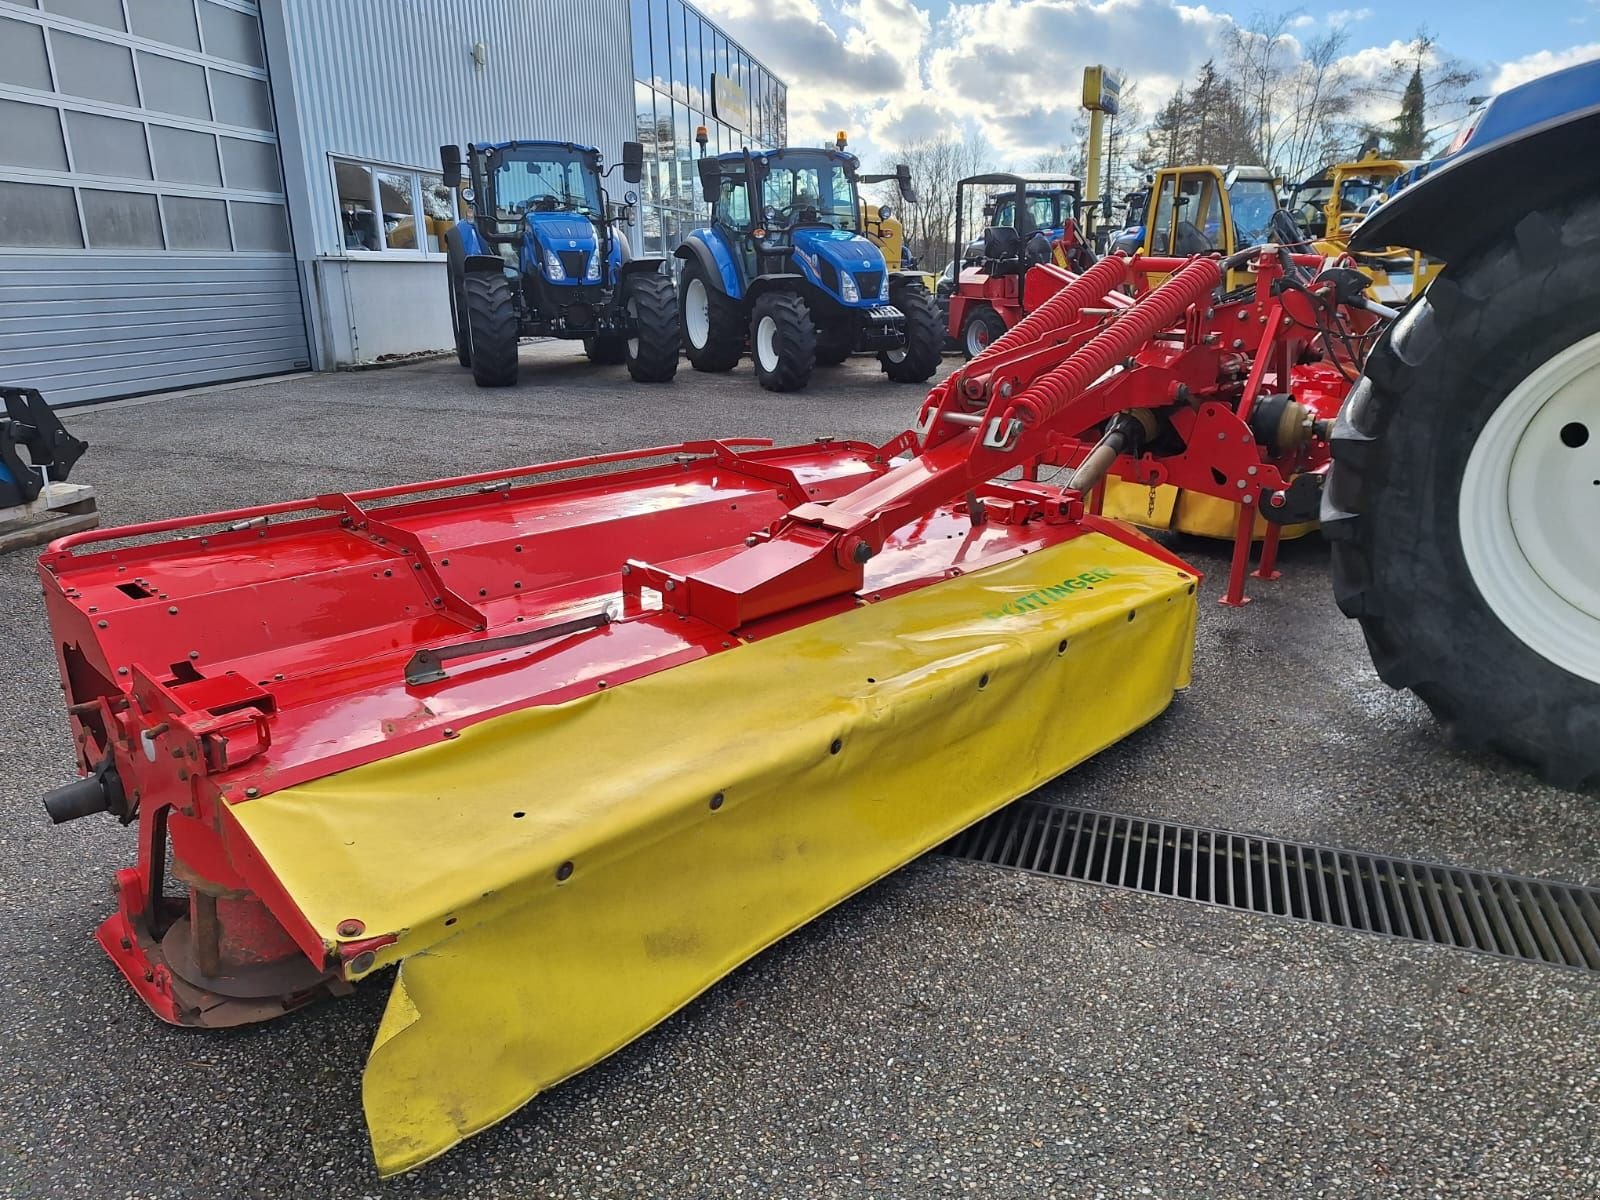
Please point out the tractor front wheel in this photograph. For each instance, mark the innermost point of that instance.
(918, 360)
(713, 330)
(491, 328)
(783, 342)
(979, 327)
(652, 350)
(1461, 501)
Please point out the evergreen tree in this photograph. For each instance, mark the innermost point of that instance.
(1408, 135)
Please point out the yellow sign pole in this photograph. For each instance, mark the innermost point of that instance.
(1101, 89)
(1091, 187)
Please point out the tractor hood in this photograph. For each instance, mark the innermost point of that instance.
(563, 231)
(845, 250)
(572, 239)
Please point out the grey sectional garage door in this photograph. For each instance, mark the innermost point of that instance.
(144, 238)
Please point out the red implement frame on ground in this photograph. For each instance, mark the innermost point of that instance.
(377, 622)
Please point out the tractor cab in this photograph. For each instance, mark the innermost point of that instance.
(769, 206)
(1045, 206)
(1332, 203)
(1209, 210)
(1033, 221)
(786, 268)
(540, 256)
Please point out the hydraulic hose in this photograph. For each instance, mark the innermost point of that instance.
(1126, 334)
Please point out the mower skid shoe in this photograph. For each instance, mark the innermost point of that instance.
(562, 878)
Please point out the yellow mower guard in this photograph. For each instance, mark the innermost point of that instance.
(562, 878)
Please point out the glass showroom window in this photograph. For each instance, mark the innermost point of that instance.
(389, 210)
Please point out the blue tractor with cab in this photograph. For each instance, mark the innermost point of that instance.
(785, 270)
(543, 255)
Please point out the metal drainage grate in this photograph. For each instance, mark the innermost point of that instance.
(1507, 915)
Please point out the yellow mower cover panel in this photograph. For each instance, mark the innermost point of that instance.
(560, 879)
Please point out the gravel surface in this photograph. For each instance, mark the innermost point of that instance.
(957, 1030)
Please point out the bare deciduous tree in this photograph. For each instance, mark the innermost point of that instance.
(936, 164)
(1298, 98)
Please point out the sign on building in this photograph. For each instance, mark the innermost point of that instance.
(729, 104)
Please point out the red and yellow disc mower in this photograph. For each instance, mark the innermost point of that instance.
(566, 750)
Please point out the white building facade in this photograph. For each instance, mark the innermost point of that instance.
(194, 191)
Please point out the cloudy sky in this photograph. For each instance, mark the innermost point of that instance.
(893, 70)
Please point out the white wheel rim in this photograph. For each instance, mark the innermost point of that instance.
(977, 338)
(1530, 510)
(633, 323)
(697, 313)
(767, 344)
(895, 356)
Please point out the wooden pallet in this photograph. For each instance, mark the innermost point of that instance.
(59, 509)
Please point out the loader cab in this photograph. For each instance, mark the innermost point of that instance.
(1331, 204)
(1209, 210)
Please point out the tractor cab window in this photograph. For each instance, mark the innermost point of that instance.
(1253, 202)
(1307, 203)
(1160, 232)
(1039, 212)
(1354, 193)
(733, 200)
(537, 180)
(1197, 223)
(809, 192)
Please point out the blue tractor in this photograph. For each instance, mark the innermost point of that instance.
(784, 269)
(1463, 498)
(542, 256)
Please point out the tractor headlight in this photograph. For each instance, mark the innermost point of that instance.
(883, 287)
(591, 273)
(552, 265)
(848, 291)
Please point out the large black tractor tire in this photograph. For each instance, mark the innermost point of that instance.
(492, 329)
(834, 344)
(783, 342)
(652, 352)
(712, 325)
(918, 360)
(979, 327)
(1462, 498)
(606, 349)
(455, 274)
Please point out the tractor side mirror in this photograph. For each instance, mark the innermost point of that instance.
(710, 179)
(632, 162)
(450, 162)
(902, 180)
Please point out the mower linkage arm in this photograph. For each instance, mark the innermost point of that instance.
(817, 551)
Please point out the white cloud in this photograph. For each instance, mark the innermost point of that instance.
(890, 73)
(1531, 66)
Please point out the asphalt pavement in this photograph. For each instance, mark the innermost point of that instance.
(956, 1030)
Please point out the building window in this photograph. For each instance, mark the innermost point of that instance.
(392, 210)
(676, 54)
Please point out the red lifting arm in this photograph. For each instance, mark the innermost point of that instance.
(817, 551)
